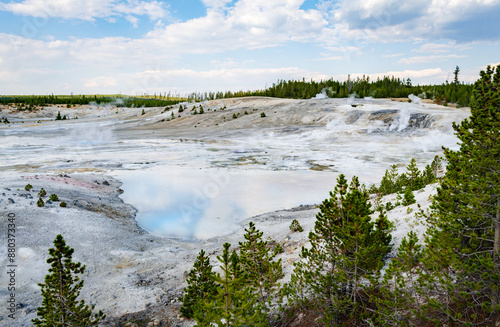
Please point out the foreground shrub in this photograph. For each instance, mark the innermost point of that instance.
(28, 187)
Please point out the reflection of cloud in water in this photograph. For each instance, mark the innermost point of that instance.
(205, 203)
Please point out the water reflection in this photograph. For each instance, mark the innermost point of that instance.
(201, 203)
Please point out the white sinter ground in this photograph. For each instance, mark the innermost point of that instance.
(194, 181)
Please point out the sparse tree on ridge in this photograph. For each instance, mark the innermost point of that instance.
(455, 73)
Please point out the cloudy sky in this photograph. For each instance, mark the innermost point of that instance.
(179, 46)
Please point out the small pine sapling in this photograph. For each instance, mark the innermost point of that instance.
(40, 203)
(408, 197)
(295, 226)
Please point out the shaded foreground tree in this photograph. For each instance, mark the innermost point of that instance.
(60, 306)
(344, 259)
(201, 288)
(234, 304)
(260, 267)
(243, 293)
(462, 254)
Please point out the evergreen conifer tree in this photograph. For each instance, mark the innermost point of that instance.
(428, 176)
(201, 288)
(234, 305)
(346, 252)
(259, 266)
(413, 176)
(388, 185)
(408, 197)
(60, 306)
(463, 246)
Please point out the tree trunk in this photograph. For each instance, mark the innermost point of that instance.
(496, 246)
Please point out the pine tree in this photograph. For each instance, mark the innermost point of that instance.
(428, 176)
(388, 185)
(258, 264)
(60, 307)
(413, 176)
(201, 288)
(346, 252)
(234, 304)
(455, 73)
(463, 247)
(58, 117)
(408, 197)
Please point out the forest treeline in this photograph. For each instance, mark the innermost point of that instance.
(455, 92)
(33, 101)
(387, 87)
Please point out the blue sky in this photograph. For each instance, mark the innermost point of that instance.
(152, 46)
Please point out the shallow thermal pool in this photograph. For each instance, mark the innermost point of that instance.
(201, 203)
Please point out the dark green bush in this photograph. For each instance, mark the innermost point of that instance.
(42, 193)
(28, 187)
(54, 197)
(408, 198)
(295, 226)
(40, 203)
